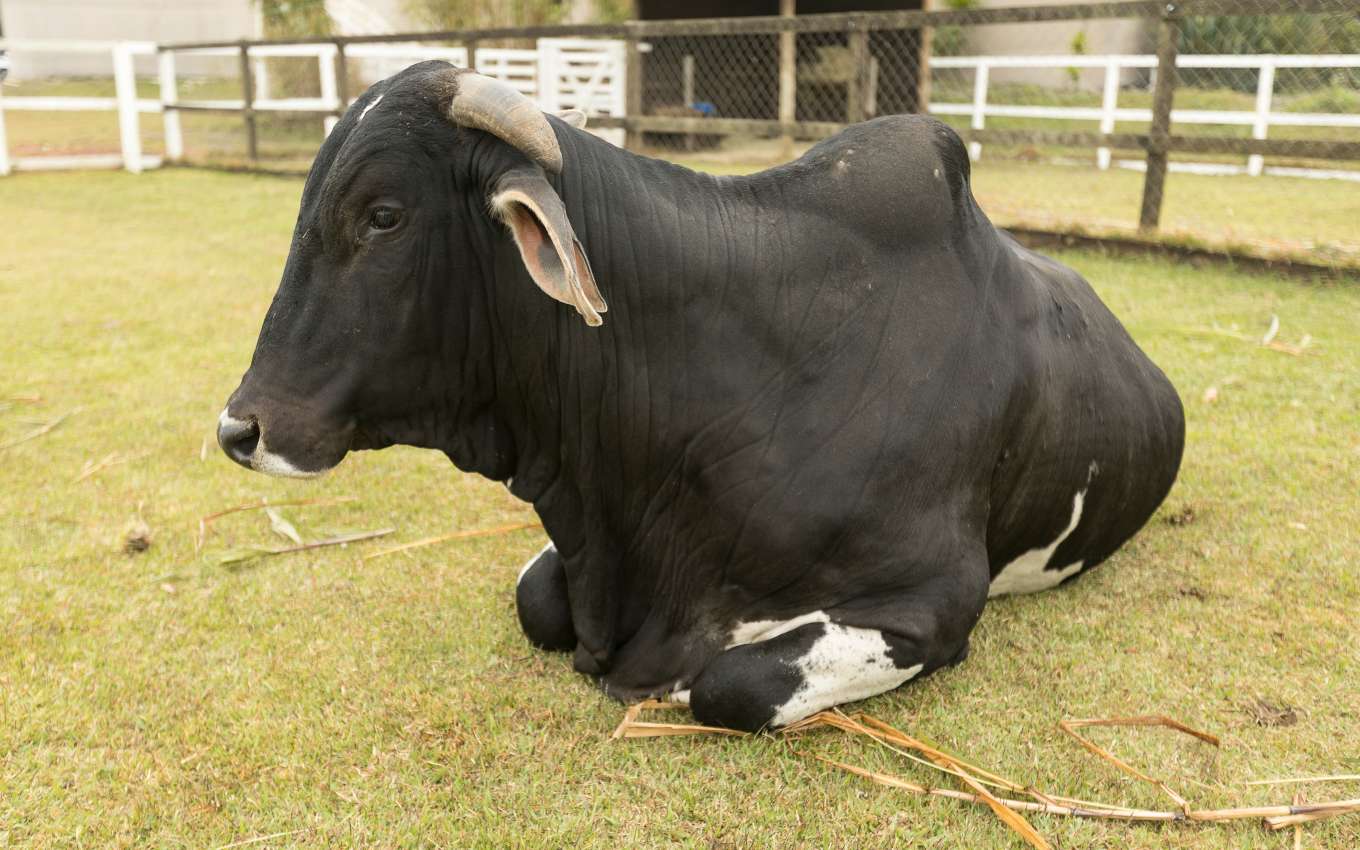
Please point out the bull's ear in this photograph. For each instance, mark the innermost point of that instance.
(526, 202)
(574, 117)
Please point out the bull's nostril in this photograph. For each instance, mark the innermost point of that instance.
(238, 438)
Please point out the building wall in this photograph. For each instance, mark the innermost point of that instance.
(112, 20)
(1132, 35)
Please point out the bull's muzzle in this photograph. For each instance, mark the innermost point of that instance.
(239, 438)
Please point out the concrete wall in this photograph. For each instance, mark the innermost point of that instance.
(1131, 35)
(133, 20)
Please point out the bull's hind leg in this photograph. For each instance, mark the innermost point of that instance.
(542, 604)
(784, 671)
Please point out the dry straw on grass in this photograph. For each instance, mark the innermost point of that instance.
(980, 781)
(456, 535)
(46, 428)
(205, 523)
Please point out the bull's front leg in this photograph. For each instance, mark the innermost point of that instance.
(780, 672)
(542, 603)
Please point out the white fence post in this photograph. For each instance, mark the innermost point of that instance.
(174, 134)
(1265, 91)
(261, 76)
(979, 108)
(549, 75)
(330, 91)
(1108, 101)
(4, 141)
(129, 122)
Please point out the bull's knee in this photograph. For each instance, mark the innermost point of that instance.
(798, 673)
(542, 604)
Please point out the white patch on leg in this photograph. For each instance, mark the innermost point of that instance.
(843, 665)
(534, 560)
(1029, 573)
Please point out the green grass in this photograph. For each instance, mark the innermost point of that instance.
(164, 700)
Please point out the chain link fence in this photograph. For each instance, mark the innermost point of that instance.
(1252, 139)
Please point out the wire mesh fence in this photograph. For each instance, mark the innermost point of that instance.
(1232, 123)
(1252, 136)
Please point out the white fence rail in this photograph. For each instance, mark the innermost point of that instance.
(1259, 119)
(585, 74)
(125, 102)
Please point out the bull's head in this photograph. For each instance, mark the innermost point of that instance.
(379, 325)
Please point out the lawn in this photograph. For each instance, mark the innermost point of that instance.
(166, 699)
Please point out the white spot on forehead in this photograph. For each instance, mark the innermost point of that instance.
(377, 100)
(534, 560)
(1029, 573)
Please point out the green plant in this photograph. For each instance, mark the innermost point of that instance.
(952, 40)
(1078, 49)
(477, 14)
(283, 19)
(1247, 34)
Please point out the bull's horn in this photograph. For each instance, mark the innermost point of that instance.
(487, 104)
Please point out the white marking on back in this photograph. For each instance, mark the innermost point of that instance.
(1029, 573)
(377, 100)
(534, 560)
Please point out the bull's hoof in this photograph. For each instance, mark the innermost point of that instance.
(541, 602)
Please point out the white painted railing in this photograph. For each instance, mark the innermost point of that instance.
(583, 74)
(125, 102)
(1259, 119)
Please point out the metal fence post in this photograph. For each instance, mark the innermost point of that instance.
(129, 122)
(788, 79)
(858, 85)
(174, 133)
(341, 76)
(1159, 134)
(687, 93)
(632, 87)
(471, 47)
(923, 58)
(248, 104)
(1265, 92)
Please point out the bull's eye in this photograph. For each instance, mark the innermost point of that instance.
(384, 218)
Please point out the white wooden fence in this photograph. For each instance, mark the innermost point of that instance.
(585, 74)
(1260, 119)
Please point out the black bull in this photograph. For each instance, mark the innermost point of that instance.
(830, 407)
